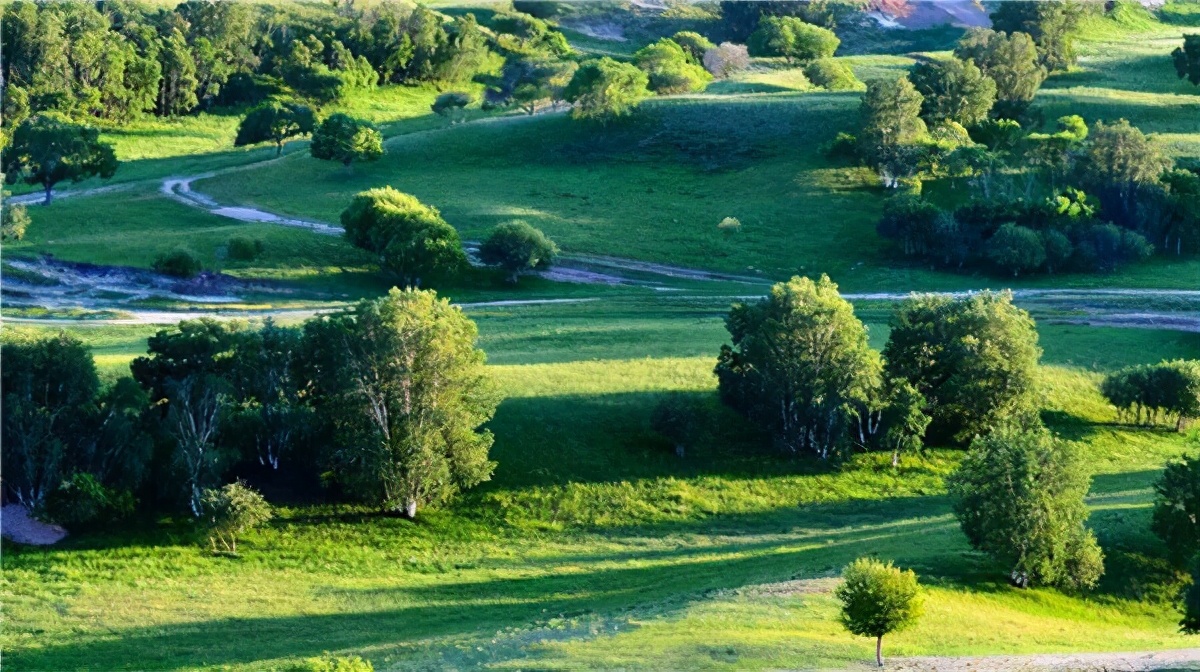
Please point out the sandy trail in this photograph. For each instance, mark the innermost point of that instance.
(1135, 661)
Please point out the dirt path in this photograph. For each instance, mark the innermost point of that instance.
(1136, 661)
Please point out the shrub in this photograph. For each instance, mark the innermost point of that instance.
(832, 75)
(180, 262)
(878, 599)
(451, 105)
(678, 420)
(726, 59)
(730, 225)
(793, 39)
(843, 147)
(695, 44)
(82, 501)
(518, 247)
(1176, 517)
(14, 221)
(231, 511)
(244, 248)
(670, 69)
(1016, 249)
(328, 663)
(410, 238)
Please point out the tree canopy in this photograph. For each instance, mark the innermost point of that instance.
(792, 38)
(47, 149)
(345, 139)
(604, 89)
(275, 122)
(518, 247)
(1009, 59)
(954, 89)
(670, 68)
(411, 239)
(878, 599)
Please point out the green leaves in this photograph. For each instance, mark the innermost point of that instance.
(604, 89)
(878, 599)
(411, 238)
(345, 139)
(47, 149)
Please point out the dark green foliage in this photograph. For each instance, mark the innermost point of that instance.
(1017, 249)
(891, 117)
(1053, 25)
(800, 366)
(1018, 495)
(1190, 623)
(231, 511)
(604, 89)
(679, 420)
(329, 663)
(1011, 60)
(670, 68)
(903, 422)
(403, 391)
(47, 149)
(269, 419)
(973, 358)
(274, 122)
(913, 222)
(82, 502)
(518, 247)
(1146, 392)
(244, 248)
(1187, 59)
(412, 240)
(179, 262)
(793, 39)
(832, 75)
(1120, 159)
(878, 599)
(525, 34)
(451, 104)
(48, 387)
(1177, 509)
(955, 90)
(345, 139)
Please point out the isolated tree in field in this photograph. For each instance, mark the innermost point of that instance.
(975, 360)
(1017, 249)
(345, 139)
(411, 239)
(274, 122)
(1120, 158)
(694, 44)
(47, 388)
(230, 512)
(452, 105)
(800, 365)
(404, 391)
(954, 90)
(832, 75)
(1176, 518)
(891, 116)
(604, 89)
(793, 39)
(1011, 60)
(670, 69)
(1052, 24)
(726, 59)
(1187, 59)
(878, 599)
(1018, 496)
(1144, 393)
(47, 149)
(518, 247)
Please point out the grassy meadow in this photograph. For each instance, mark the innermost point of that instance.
(594, 546)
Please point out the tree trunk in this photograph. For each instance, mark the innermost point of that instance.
(879, 651)
(49, 189)
(410, 509)
(278, 148)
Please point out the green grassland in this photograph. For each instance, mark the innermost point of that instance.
(594, 546)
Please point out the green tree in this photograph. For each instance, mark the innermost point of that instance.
(799, 366)
(955, 90)
(47, 149)
(410, 238)
(670, 68)
(14, 220)
(405, 391)
(891, 116)
(451, 105)
(48, 387)
(832, 75)
(975, 359)
(793, 39)
(345, 139)
(1015, 248)
(1120, 158)
(274, 122)
(1190, 623)
(230, 512)
(1187, 59)
(1018, 496)
(1176, 518)
(604, 89)
(878, 599)
(1052, 24)
(694, 44)
(177, 88)
(903, 423)
(518, 247)
(1011, 60)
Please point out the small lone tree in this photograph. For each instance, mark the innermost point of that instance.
(411, 238)
(451, 105)
(518, 247)
(1187, 59)
(274, 122)
(1177, 509)
(878, 599)
(232, 511)
(604, 89)
(47, 149)
(345, 139)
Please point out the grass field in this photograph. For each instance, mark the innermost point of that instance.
(594, 546)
